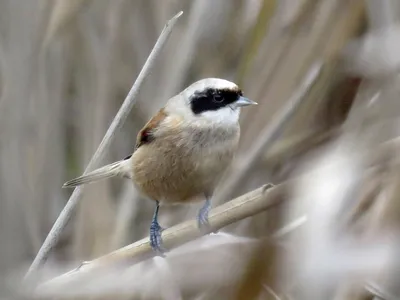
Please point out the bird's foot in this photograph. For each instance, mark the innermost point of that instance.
(156, 242)
(202, 217)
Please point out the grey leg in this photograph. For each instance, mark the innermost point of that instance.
(202, 216)
(155, 233)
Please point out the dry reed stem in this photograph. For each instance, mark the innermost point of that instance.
(62, 220)
(294, 146)
(237, 209)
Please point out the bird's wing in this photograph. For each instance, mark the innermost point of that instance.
(146, 134)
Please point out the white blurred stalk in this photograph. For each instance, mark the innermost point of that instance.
(324, 252)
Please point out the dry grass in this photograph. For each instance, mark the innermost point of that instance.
(65, 68)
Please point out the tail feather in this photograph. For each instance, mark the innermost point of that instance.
(119, 168)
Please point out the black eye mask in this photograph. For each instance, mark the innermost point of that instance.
(213, 99)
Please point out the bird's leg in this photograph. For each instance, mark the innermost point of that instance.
(202, 216)
(155, 233)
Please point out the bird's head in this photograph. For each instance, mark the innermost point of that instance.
(212, 100)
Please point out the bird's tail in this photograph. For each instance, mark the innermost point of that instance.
(119, 168)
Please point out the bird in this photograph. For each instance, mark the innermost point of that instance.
(183, 151)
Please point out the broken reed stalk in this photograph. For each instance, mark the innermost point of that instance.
(237, 209)
(65, 215)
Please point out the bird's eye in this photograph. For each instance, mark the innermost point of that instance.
(218, 98)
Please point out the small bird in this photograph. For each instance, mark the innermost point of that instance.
(183, 151)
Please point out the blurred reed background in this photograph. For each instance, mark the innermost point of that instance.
(67, 65)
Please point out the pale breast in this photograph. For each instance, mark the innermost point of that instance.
(172, 171)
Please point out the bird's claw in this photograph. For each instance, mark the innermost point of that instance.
(202, 217)
(155, 238)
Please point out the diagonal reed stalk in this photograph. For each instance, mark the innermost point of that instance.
(65, 215)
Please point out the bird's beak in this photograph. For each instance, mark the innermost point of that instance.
(243, 101)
